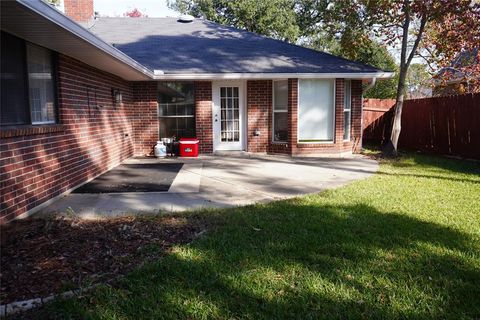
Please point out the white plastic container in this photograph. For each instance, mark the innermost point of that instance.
(160, 150)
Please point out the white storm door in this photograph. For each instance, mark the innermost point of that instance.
(228, 115)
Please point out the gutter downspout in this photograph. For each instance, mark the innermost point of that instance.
(370, 85)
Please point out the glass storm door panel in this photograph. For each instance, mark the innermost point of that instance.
(227, 116)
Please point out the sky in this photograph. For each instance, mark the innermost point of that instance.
(152, 8)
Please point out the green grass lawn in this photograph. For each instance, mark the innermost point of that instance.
(404, 243)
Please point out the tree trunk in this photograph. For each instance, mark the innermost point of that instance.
(390, 149)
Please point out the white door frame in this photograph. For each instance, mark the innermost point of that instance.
(218, 145)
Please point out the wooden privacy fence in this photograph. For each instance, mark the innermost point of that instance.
(376, 119)
(443, 125)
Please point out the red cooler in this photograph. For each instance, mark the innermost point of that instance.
(189, 147)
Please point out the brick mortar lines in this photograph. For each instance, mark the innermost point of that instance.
(49, 163)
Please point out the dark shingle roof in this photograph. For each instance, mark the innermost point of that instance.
(206, 47)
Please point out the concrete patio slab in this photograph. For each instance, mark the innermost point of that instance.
(188, 179)
(223, 181)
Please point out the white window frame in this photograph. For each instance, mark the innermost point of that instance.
(164, 83)
(277, 111)
(347, 107)
(333, 118)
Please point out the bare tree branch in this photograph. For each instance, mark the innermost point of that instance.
(419, 38)
(427, 61)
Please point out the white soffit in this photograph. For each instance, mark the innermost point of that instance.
(40, 23)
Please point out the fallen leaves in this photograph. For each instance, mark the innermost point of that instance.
(44, 256)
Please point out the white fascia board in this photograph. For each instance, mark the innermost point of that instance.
(159, 75)
(50, 13)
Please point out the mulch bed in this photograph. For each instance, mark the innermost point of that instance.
(47, 256)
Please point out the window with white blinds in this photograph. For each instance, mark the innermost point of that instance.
(316, 110)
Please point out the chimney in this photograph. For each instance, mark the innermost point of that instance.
(79, 10)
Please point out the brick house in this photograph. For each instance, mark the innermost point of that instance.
(81, 94)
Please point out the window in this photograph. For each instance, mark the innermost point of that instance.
(347, 110)
(40, 85)
(27, 88)
(176, 109)
(280, 111)
(316, 110)
(14, 107)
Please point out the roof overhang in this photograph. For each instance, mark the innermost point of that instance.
(41, 23)
(159, 75)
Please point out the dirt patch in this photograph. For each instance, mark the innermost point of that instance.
(134, 177)
(40, 257)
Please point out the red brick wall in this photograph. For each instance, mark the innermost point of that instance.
(79, 10)
(278, 148)
(203, 115)
(259, 115)
(41, 162)
(38, 163)
(144, 117)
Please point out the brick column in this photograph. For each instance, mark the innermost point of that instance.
(339, 117)
(145, 117)
(357, 115)
(292, 115)
(203, 115)
(259, 105)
